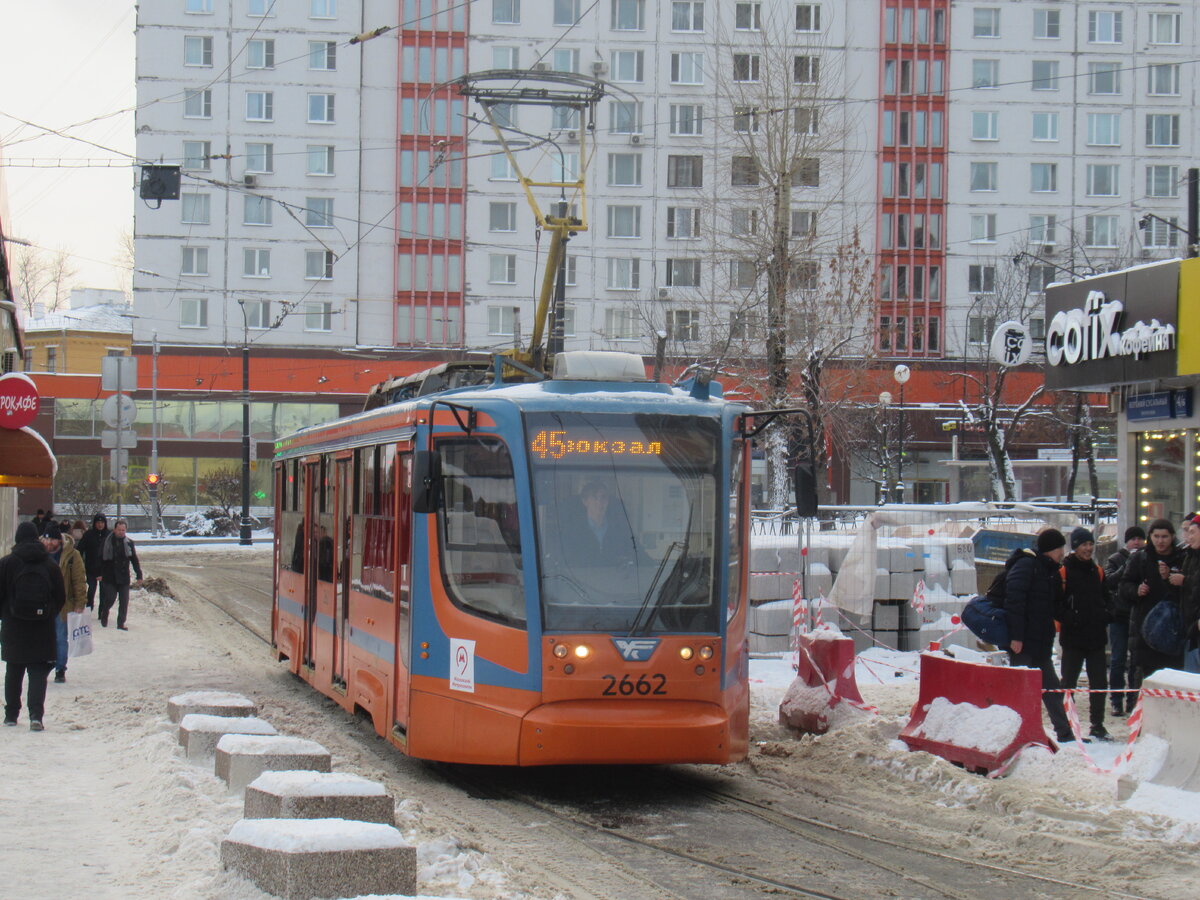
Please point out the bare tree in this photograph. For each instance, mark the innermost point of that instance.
(124, 259)
(42, 277)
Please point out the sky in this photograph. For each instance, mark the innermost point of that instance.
(63, 62)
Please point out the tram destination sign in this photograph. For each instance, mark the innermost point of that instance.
(1113, 329)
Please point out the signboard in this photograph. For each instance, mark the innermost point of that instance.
(118, 411)
(1175, 404)
(1119, 328)
(118, 373)
(118, 461)
(19, 401)
(1012, 344)
(114, 440)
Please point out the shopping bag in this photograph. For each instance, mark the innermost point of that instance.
(79, 633)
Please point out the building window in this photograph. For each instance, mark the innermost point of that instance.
(687, 68)
(983, 228)
(320, 108)
(628, 15)
(687, 15)
(1162, 234)
(256, 210)
(980, 329)
(502, 320)
(502, 216)
(685, 171)
(197, 6)
(260, 54)
(743, 221)
(261, 8)
(1162, 130)
(625, 169)
(502, 268)
(683, 324)
(258, 314)
(687, 119)
(197, 104)
(319, 158)
(808, 17)
(745, 119)
(318, 315)
(981, 279)
(260, 158)
(1039, 278)
(260, 106)
(194, 209)
(503, 170)
(195, 261)
(1163, 80)
(624, 274)
(624, 221)
(683, 273)
(984, 126)
(983, 176)
(318, 265)
(743, 171)
(1100, 231)
(1103, 180)
(197, 50)
(566, 12)
(1162, 181)
(985, 73)
(747, 16)
(322, 56)
(1045, 126)
(683, 222)
(627, 66)
(986, 22)
(806, 69)
(622, 324)
(196, 156)
(1104, 78)
(804, 223)
(322, 9)
(256, 262)
(506, 12)
(625, 117)
(318, 212)
(193, 312)
(1047, 24)
(1104, 27)
(1045, 75)
(1043, 177)
(1164, 28)
(806, 172)
(745, 67)
(1041, 229)
(566, 60)
(743, 275)
(805, 121)
(1104, 129)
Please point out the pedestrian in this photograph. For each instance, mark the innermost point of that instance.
(31, 597)
(39, 521)
(77, 530)
(1084, 614)
(1031, 593)
(1191, 593)
(90, 547)
(1152, 574)
(62, 550)
(116, 557)
(1118, 628)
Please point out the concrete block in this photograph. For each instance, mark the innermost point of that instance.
(769, 645)
(304, 859)
(243, 757)
(818, 554)
(210, 703)
(318, 795)
(886, 616)
(775, 553)
(887, 638)
(883, 584)
(199, 733)
(771, 619)
(962, 577)
(767, 587)
(819, 581)
(902, 585)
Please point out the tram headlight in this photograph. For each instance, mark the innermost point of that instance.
(583, 651)
(685, 652)
(706, 652)
(560, 650)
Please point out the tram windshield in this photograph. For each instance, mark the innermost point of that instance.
(627, 511)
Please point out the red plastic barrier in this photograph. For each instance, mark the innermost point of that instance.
(1019, 689)
(827, 667)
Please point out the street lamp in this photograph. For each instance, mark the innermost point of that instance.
(244, 532)
(885, 400)
(901, 374)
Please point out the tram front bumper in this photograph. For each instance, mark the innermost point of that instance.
(625, 731)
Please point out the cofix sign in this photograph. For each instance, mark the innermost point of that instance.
(19, 402)
(1113, 329)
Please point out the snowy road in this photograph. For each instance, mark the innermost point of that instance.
(848, 815)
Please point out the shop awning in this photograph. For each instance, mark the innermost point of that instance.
(25, 459)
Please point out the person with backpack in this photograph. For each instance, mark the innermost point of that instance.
(62, 550)
(1153, 574)
(116, 556)
(1031, 596)
(31, 596)
(90, 547)
(1118, 628)
(1084, 613)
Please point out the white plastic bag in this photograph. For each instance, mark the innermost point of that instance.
(79, 633)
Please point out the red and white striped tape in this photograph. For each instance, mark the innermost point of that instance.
(918, 597)
(799, 621)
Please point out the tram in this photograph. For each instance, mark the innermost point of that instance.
(534, 572)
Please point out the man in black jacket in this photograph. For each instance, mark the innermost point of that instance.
(90, 547)
(1151, 575)
(1083, 613)
(1118, 628)
(28, 644)
(116, 556)
(1032, 589)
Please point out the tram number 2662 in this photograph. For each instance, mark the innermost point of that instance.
(645, 685)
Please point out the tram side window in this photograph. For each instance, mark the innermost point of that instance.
(291, 538)
(322, 536)
(736, 498)
(373, 551)
(481, 539)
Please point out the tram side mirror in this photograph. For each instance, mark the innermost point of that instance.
(427, 481)
(804, 480)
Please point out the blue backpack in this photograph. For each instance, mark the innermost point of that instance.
(1162, 629)
(986, 621)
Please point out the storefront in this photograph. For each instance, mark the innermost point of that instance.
(1136, 334)
(25, 457)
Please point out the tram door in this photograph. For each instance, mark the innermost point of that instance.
(403, 569)
(343, 505)
(312, 480)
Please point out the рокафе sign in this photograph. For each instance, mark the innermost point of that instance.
(1113, 329)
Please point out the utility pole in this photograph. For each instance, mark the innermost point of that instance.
(155, 510)
(244, 538)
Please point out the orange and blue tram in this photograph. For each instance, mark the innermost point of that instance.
(533, 573)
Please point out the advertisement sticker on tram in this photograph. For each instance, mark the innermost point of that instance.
(462, 665)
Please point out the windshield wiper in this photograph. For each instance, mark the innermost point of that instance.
(636, 627)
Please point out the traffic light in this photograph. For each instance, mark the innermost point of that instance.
(153, 478)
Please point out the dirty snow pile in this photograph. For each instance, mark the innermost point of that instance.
(989, 729)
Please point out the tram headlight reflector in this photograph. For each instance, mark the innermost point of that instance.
(706, 652)
(685, 652)
(583, 651)
(560, 650)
